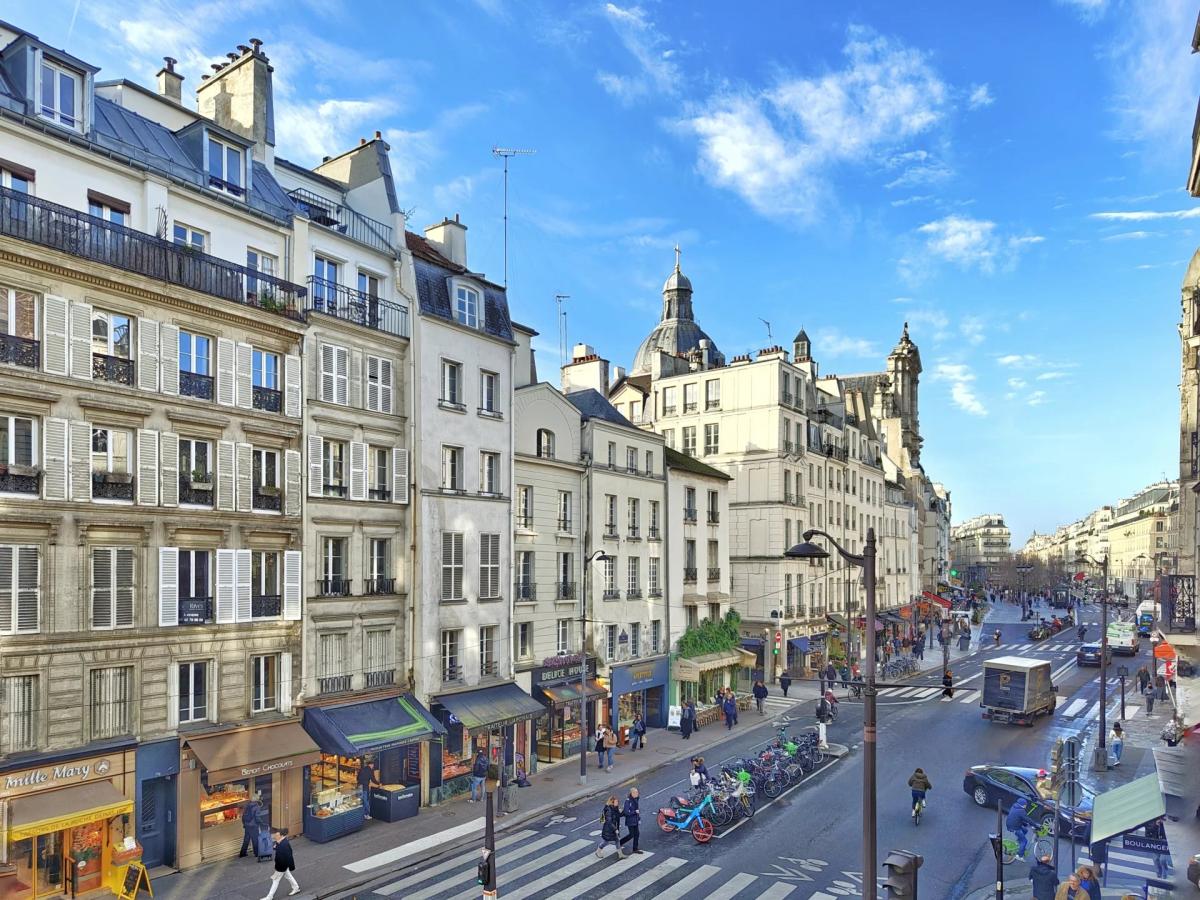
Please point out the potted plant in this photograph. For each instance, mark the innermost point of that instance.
(118, 477)
(268, 490)
(201, 480)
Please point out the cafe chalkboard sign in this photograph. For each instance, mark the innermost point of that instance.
(136, 878)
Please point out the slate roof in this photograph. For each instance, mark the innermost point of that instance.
(433, 294)
(594, 405)
(677, 460)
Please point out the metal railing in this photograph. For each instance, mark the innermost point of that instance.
(334, 684)
(689, 514)
(654, 592)
(196, 490)
(375, 586)
(272, 502)
(488, 667)
(689, 575)
(714, 573)
(633, 593)
(611, 594)
(451, 673)
(652, 533)
(266, 606)
(113, 369)
(112, 486)
(564, 526)
(712, 404)
(13, 483)
(344, 220)
(564, 590)
(788, 398)
(610, 531)
(634, 534)
(714, 517)
(524, 591)
(193, 384)
(378, 493)
(524, 520)
(334, 587)
(91, 237)
(382, 678)
(267, 399)
(689, 407)
(352, 305)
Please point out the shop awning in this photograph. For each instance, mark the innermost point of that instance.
(891, 617)
(839, 621)
(65, 808)
(752, 643)
(254, 751)
(353, 729)
(568, 692)
(1127, 807)
(493, 706)
(800, 643)
(686, 669)
(934, 598)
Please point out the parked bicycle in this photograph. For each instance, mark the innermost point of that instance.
(684, 817)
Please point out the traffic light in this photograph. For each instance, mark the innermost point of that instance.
(901, 879)
(778, 641)
(954, 573)
(997, 842)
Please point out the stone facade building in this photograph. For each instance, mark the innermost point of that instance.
(980, 545)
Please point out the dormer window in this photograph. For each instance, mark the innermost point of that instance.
(61, 95)
(225, 167)
(466, 306)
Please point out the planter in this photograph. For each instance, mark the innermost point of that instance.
(27, 471)
(201, 485)
(264, 491)
(118, 478)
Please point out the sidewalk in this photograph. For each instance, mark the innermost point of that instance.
(381, 848)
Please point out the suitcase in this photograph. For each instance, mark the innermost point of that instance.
(263, 847)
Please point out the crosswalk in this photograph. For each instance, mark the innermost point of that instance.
(558, 867)
(901, 692)
(1124, 865)
(1030, 646)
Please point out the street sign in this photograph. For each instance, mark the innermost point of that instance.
(1072, 794)
(1122, 671)
(1145, 844)
(1164, 651)
(1071, 749)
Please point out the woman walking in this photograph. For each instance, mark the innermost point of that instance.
(1117, 741)
(610, 826)
(687, 720)
(637, 732)
(633, 819)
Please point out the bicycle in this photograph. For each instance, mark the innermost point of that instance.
(693, 819)
(920, 808)
(1041, 845)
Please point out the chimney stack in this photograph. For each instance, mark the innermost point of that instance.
(240, 97)
(170, 82)
(450, 238)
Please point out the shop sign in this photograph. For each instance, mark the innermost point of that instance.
(1144, 844)
(637, 676)
(278, 765)
(78, 771)
(548, 676)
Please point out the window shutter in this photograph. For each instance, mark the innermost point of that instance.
(102, 584)
(168, 586)
(147, 467)
(54, 335)
(147, 354)
(225, 475)
(54, 459)
(226, 586)
(245, 477)
(341, 367)
(244, 573)
(29, 580)
(291, 482)
(292, 574)
(285, 683)
(358, 470)
(225, 371)
(447, 566)
(169, 468)
(458, 565)
(173, 695)
(373, 382)
(328, 373)
(244, 376)
(6, 589)
(355, 398)
(291, 386)
(81, 460)
(81, 341)
(385, 385)
(316, 478)
(168, 358)
(399, 475)
(123, 587)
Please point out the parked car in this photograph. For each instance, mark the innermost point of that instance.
(1089, 655)
(987, 785)
(1194, 870)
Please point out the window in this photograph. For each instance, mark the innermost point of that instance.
(489, 473)
(332, 651)
(545, 443)
(194, 353)
(368, 284)
(787, 594)
(689, 398)
(466, 306)
(693, 616)
(669, 437)
(21, 182)
(565, 509)
(612, 454)
(264, 683)
(712, 439)
(566, 570)
(325, 279)
(610, 519)
(610, 641)
(111, 334)
(62, 95)
(489, 383)
(380, 561)
(563, 641)
(264, 584)
(266, 468)
(379, 384)
(18, 441)
(652, 576)
(635, 639)
(20, 590)
(487, 650)
(631, 460)
(689, 440)
(452, 471)
(111, 701)
(452, 383)
(264, 369)
(195, 582)
(653, 518)
(714, 611)
(633, 516)
(524, 506)
(714, 558)
(669, 394)
(452, 565)
(193, 692)
(689, 504)
(689, 556)
(714, 505)
(18, 314)
(656, 636)
(634, 581)
(333, 467)
(190, 238)
(787, 533)
(379, 473)
(489, 566)
(524, 576)
(112, 588)
(452, 655)
(649, 462)
(110, 450)
(523, 640)
(333, 559)
(610, 575)
(258, 261)
(19, 728)
(225, 167)
(787, 486)
(712, 394)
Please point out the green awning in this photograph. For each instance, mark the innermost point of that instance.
(1127, 807)
(839, 621)
(490, 707)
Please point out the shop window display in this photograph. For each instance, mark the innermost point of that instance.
(558, 734)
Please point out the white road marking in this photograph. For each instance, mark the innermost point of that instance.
(504, 860)
(682, 887)
(1074, 708)
(1095, 710)
(970, 697)
(732, 887)
(418, 846)
(447, 866)
(627, 890)
(777, 891)
(927, 692)
(578, 887)
(546, 881)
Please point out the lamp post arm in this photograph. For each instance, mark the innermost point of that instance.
(855, 559)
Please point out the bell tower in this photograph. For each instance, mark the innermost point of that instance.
(904, 371)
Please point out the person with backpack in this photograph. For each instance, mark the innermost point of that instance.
(610, 827)
(637, 732)
(479, 772)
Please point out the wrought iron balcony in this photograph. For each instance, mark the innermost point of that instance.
(564, 526)
(635, 533)
(12, 482)
(355, 306)
(788, 446)
(268, 399)
(714, 573)
(451, 673)
(93, 238)
(788, 398)
(652, 533)
(669, 410)
(524, 591)
(376, 586)
(266, 606)
(193, 384)
(654, 592)
(195, 610)
(343, 220)
(112, 486)
(714, 517)
(113, 369)
(19, 351)
(610, 531)
(488, 667)
(611, 594)
(689, 407)
(1179, 603)
(712, 404)
(834, 452)
(524, 521)
(335, 490)
(378, 493)
(564, 590)
(334, 587)
(689, 576)
(689, 514)
(382, 678)
(196, 489)
(633, 593)
(334, 684)
(268, 499)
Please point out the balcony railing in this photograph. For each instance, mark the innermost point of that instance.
(195, 610)
(334, 587)
(267, 399)
(610, 531)
(1179, 603)
(654, 592)
(19, 351)
(113, 369)
(564, 526)
(269, 500)
(334, 684)
(375, 586)
(196, 489)
(714, 574)
(344, 220)
(788, 398)
(712, 404)
(669, 410)
(335, 490)
(787, 446)
(451, 673)
(112, 486)
(524, 591)
(382, 678)
(91, 237)
(635, 533)
(525, 521)
(611, 594)
(378, 493)
(355, 306)
(193, 384)
(689, 514)
(834, 452)
(488, 667)
(564, 590)
(652, 533)
(266, 606)
(633, 593)
(689, 576)
(714, 517)
(689, 407)
(19, 483)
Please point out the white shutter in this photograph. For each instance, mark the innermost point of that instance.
(244, 572)
(168, 586)
(316, 486)
(285, 683)
(291, 386)
(358, 470)
(292, 574)
(54, 459)
(147, 467)
(123, 587)
(147, 354)
(29, 582)
(81, 341)
(328, 373)
(81, 460)
(399, 475)
(168, 358)
(355, 398)
(341, 374)
(169, 468)
(225, 373)
(385, 385)
(102, 588)
(244, 371)
(225, 475)
(291, 482)
(373, 382)
(245, 477)
(226, 586)
(54, 334)
(172, 694)
(6, 590)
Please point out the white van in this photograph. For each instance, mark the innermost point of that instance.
(1123, 638)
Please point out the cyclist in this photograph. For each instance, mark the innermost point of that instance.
(996, 637)
(856, 682)
(919, 784)
(827, 707)
(1020, 820)
(1082, 632)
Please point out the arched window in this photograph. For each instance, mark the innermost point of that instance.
(545, 443)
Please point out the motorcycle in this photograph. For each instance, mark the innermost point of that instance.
(1039, 632)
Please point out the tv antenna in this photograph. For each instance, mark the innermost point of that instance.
(505, 153)
(770, 337)
(562, 328)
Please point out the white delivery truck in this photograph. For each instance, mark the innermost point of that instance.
(1123, 638)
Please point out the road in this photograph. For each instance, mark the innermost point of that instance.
(806, 845)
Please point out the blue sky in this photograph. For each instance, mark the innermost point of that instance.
(1006, 178)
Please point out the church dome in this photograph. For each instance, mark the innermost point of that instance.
(677, 281)
(676, 333)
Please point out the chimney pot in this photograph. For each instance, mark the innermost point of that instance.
(361, 141)
(170, 63)
(217, 67)
(326, 159)
(243, 49)
(256, 44)
(232, 57)
(378, 135)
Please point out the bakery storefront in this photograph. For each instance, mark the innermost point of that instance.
(702, 677)
(639, 689)
(391, 736)
(220, 773)
(556, 684)
(67, 824)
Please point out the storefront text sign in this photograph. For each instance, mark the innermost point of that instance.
(43, 778)
(571, 671)
(1144, 844)
(265, 768)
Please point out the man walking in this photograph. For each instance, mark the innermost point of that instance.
(637, 732)
(366, 778)
(1044, 878)
(250, 826)
(729, 707)
(785, 682)
(633, 818)
(760, 695)
(478, 777)
(285, 864)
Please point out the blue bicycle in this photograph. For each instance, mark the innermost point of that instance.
(682, 816)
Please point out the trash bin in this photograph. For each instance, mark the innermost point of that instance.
(508, 798)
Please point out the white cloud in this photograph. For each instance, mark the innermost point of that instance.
(962, 393)
(1155, 77)
(971, 328)
(833, 343)
(1132, 235)
(776, 147)
(310, 129)
(657, 70)
(1088, 10)
(980, 96)
(1147, 215)
(915, 198)
(1016, 360)
(1051, 376)
(1017, 383)
(417, 149)
(937, 322)
(972, 243)
(1036, 398)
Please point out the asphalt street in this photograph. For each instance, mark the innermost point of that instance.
(806, 845)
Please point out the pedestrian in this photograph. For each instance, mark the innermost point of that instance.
(1117, 740)
(695, 721)
(1148, 693)
(1070, 890)
(699, 770)
(830, 676)
(599, 745)
(887, 652)
(732, 699)
(638, 732)
(729, 707)
(1160, 685)
(760, 696)
(610, 744)
(948, 685)
(250, 826)
(610, 826)
(785, 682)
(1156, 830)
(1143, 679)
(844, 673)
(366, 778)
(1044, 878)
(895, 646)
(633, 819)
(687, 721)
(285, 864)
(920, 649)
(479, 772)
(1088, 882)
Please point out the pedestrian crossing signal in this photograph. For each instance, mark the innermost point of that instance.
(778, 642)
(901, 879)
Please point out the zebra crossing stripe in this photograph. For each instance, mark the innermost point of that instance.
(777, 891)
(579, 887)
(682, 887)
(1075, 707)
(926, 692)
(627, 890)
(468, 875)
(546, 881)
(971, 697)
(426, 874)
(1094, 710)
(732, 887)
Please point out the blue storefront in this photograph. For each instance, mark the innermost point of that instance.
(640, 688)
(157, 789)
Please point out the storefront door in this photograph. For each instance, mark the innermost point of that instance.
(51, 864)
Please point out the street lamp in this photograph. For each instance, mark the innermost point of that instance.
(865, 560)
(1100, 756)
(596, 556)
